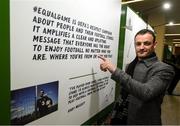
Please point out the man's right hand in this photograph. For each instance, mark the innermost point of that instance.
(106, 65)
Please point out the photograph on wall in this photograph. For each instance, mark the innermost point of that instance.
(31, 103)
(47, 98)
(23, 102)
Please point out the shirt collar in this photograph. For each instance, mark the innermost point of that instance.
(149, 60)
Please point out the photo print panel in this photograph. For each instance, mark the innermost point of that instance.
(23, 105)
(31, 103)
(47, 98)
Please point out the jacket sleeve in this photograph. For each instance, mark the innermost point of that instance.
(156, 85)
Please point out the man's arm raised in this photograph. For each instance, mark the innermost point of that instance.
(106, 65)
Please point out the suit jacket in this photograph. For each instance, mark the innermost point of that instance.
(146, 88)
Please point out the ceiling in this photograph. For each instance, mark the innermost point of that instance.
(172, 33)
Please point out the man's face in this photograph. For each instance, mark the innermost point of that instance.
(41, 93)
(144, 45)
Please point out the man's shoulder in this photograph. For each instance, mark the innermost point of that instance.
(159, 65)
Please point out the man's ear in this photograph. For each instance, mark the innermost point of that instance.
(155, 44)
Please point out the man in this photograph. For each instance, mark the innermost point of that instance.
(145, 80)
(44, 103)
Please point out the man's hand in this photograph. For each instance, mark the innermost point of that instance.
(106, 65)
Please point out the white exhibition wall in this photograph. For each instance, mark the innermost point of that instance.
(54, 46)
(133, 24)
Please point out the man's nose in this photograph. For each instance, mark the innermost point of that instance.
(142, 46)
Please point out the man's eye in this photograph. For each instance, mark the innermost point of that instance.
(147, 43)
(138, 43)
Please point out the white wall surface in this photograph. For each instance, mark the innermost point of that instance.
(69, 72)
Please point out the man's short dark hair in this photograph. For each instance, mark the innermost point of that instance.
(144, 31)
(42, 91)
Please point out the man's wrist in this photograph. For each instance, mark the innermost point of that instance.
(112, 70)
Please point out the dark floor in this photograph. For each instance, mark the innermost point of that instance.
(171, 108)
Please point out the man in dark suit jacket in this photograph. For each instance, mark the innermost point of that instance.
(44, 103)
(147, 82)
